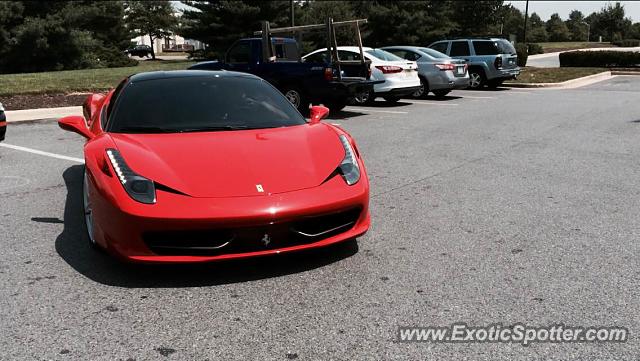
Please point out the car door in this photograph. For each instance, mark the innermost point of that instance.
(442, 46)
(460, 49)
(238, 58)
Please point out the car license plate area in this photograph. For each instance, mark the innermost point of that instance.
(459, 70)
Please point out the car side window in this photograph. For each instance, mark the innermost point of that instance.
(319, 57)
(348, 55)
(410, 55)
(239, 53)
(459, 48)
(441, 47)
(485, 47)
(397, 52)
(104, 117)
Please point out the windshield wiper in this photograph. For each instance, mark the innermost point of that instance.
(213, 129)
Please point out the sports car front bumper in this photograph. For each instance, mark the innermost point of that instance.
(180, 228)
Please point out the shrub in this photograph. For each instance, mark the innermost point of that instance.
(627, 43)
(535, 49)
(600, 59)
(521, 51)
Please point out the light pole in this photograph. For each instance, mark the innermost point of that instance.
(526, 15)
(588, 30)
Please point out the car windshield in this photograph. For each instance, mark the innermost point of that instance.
(383, 55)
(434, 53)
(201, 103)
(505, 47)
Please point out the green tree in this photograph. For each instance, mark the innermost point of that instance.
(476, 17)
(511, 21)
(537, 31)
(41, 36)
(406, 22)
(154, 19)
(557, 29)
(577, 26)
(219, 23)
(610, 23)
(634, 33)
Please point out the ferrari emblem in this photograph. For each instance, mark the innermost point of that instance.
(266, 239)
(259, 188)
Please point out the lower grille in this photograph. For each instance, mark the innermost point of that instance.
(251, 239)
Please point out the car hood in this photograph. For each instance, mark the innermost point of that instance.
(235, 163)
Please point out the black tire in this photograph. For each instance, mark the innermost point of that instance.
(477, 79)
(423, 91)
(296, 97)
(441, 93)
(87, 213)
(363, 98)
(391, 99)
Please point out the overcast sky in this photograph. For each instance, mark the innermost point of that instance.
(563, 8)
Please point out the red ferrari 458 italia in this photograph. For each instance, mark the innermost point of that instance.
(192, 166)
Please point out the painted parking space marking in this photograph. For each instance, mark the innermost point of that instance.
(434, 103)
(377, 111)
(39, 152)
(475, 97)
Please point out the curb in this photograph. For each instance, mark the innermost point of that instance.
(26, 115)
(571, 83)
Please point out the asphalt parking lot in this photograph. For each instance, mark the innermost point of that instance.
(487, 207)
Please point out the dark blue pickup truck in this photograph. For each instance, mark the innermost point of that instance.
(301, 82)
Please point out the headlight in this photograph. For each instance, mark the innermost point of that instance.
(349, 167)
(138, 187)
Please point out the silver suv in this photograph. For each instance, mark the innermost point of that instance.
(491, 60)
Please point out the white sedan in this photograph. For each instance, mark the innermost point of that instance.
(399, 75)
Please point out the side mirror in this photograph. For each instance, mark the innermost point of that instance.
(76, 124)
(91, 105)
(318, 112)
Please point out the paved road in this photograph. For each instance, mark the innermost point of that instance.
(490, 207)
(552, 60)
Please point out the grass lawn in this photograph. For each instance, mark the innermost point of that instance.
(67, 81)
(572, 45)
(553, 75)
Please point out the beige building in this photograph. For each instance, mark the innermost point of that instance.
(172, 43)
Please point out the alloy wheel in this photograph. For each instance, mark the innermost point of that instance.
(475, 80)
(293, 96)
(88, 212)
(362, 98)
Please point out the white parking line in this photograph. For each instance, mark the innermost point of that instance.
(378, 111)
(474, 97)
(435, 103)
(39, 152)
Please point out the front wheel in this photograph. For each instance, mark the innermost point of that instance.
(87, 210)
(363, 98)
(295, 97)
(422, 91)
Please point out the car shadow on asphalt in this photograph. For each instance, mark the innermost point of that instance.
(345, 114)
(73, 246)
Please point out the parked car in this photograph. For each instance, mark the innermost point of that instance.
(139, 51)
(400, 77)
(302, 82)
(491, 60)
(3, 123)
(438, 72)
(196, 166)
